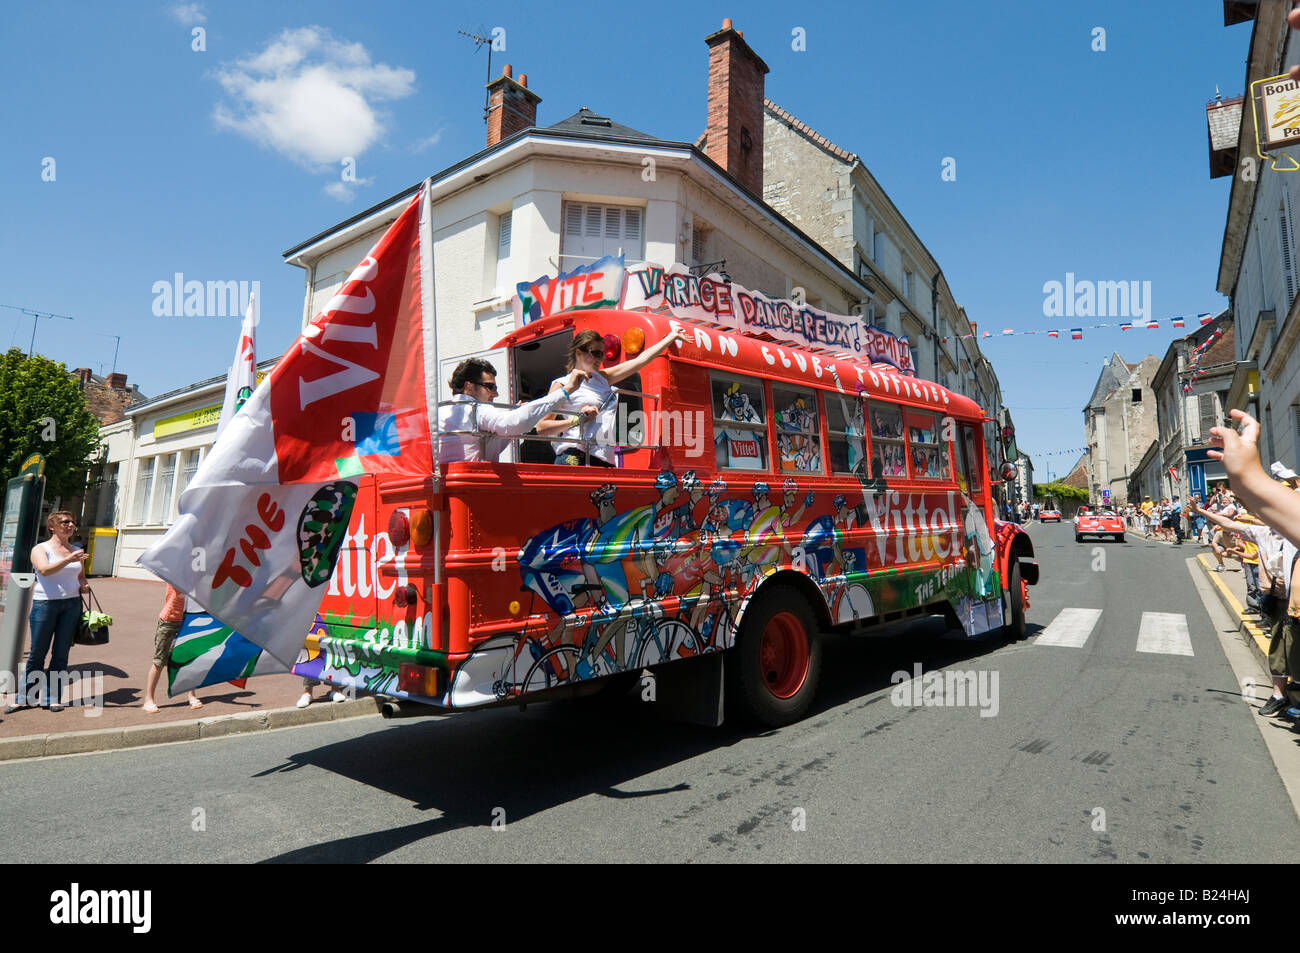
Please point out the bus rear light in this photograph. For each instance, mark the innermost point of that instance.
(514, 607)
(421, 526)
(406, 595)
(418, 679)
(633, 341)
(613, 348)
(399, 528)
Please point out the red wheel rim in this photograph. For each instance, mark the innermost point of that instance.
(783, 655)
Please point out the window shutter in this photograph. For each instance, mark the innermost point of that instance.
(573, 220)
(1288, 247)
(632, 227)
(1206, 415)
(503, 235)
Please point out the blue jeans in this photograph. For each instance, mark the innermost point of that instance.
(53, 621)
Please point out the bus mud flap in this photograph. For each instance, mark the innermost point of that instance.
(690, 690)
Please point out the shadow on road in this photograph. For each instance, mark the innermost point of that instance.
(466, 765)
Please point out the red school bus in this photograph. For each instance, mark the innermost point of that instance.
(765, 494)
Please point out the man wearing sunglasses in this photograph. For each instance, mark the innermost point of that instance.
(471, 413)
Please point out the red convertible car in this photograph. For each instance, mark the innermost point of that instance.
(1049, 514)
(1102, 523)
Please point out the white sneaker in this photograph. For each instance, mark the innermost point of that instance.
(305, 700)
(338, 697)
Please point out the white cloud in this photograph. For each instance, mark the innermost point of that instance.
(189, 13)
(310, 97)
(428, 142)
(345, 190)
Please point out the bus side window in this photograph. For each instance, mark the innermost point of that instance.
(972, 464)
(798, 433)
(928, 452)
(739, 428)
(846, 430)
(888, 453)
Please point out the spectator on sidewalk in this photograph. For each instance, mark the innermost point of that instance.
(308, 684)
(169, 623)
(56, 610)
(1283, 650)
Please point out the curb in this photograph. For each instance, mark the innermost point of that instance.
(220, 726)
(1256, 637)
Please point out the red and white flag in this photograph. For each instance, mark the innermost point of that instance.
(262, 522)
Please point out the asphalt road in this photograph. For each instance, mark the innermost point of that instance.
(1096, 752)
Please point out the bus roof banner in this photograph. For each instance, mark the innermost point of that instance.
(263, 519)
(714, 299)
(598, 285)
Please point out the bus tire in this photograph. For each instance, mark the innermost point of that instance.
(773, 670)
(1014, 628)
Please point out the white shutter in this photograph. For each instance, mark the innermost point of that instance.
(504, 229)
(593, 231)
(632, 228)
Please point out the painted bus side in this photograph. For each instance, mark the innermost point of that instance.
(553, 576)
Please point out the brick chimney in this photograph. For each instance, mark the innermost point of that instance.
(735, 126)
(511, 106)
(83, 375)
(117, 381)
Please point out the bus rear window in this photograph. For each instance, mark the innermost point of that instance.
(739, 423)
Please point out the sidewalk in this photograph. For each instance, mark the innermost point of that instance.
(265, 702)
(1230, 587)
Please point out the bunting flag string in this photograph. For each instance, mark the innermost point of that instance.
(1199, 352)
(1072, 451)
(1076, 334)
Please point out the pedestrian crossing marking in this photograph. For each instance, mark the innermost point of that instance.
(1070, 629)
(1164, 633)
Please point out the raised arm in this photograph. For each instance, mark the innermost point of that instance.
(1275, 504)
(520, 420)
(621, 371)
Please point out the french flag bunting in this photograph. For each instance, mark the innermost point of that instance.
(1178, 323)
(1153, 324)
(1126, 326)
(1076, 334)
(1205, 318)
(1053, 334)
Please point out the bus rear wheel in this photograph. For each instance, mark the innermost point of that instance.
(773, 670)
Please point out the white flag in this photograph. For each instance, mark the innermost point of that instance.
(243, 372)
(262, 522)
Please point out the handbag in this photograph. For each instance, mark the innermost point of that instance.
(94, 624)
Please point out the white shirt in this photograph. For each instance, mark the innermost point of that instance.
(467, 414)
(63, 583)
(600, 431)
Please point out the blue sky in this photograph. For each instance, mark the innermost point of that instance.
(168, 159)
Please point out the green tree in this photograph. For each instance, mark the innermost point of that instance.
(42, 410)
(1059, 491)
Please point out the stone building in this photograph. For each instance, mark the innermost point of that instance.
(1191, 395)
(1259, 267)
(1120, 422)
(829, 193)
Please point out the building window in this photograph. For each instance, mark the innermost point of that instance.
(907, 285)
(107, 508)
(594, 231)
(1287, 236)
(504, 228)
(162, 497)
(143, 491)
(697, 242)
(1137, 395)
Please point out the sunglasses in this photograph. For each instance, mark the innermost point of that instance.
(595, 351)
(490, 386)
(68, 522)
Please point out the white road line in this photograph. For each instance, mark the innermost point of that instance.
(1070, 629)
(1164, 633)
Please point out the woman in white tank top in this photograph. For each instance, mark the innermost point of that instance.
(588, 417)
(56, 608)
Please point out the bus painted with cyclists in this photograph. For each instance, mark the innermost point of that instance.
(772, 473)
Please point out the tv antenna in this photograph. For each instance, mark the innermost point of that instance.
(118, 339)
(36, 317)
(480, 41)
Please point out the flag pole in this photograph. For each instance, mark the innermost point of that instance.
(429, 326)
